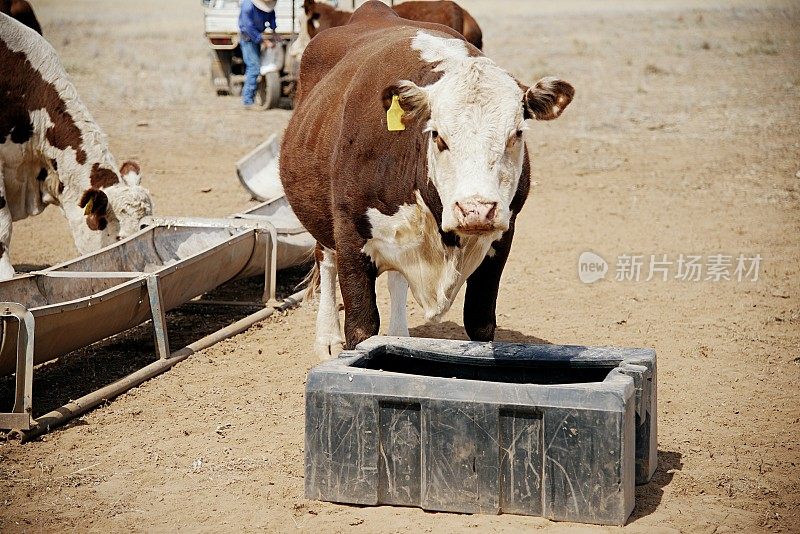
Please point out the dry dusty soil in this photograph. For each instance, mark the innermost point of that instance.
(683, 138)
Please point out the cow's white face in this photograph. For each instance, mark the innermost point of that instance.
(109, 214)
(129, 203)
(475, 147)
(475, 131)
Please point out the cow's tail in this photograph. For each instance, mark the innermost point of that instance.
(311, 280)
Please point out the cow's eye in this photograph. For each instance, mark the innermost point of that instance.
(440, 144)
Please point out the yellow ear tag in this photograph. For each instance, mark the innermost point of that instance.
(394, 116)
(89, 205)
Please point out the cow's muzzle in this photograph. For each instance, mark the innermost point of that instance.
(476, 216)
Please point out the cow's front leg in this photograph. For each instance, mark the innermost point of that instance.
(6, 269)
(329, 342)
(357, 276)
(480, 300)
(398, 295)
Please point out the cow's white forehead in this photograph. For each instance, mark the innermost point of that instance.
(473, 88)
(434, 49)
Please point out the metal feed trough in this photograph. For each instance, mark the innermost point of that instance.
(258, 171)
(52, 312)
(562, 432)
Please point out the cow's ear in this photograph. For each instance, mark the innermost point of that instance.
(547, 99)
(412, 98)
(131, 173)
(95, 205)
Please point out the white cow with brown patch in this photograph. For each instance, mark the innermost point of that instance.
(52, 151)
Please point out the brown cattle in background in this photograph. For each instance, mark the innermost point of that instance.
(321, 16)
(22, 11)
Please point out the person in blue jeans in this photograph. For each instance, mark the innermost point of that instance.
(254, 17)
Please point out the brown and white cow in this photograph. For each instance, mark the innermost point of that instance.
(320, 16)
(434, 204)
(52, 151)
(22, 11)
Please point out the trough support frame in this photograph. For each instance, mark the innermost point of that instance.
(159, 316)
(271, 265)
(257, 223)
(21, 414)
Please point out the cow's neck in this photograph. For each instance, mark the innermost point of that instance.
(410, 241)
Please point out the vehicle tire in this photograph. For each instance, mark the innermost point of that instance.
(220, 71)
(269, 90)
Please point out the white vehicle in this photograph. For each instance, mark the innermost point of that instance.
(227, 67)
(278, 65)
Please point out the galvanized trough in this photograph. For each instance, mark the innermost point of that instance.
(167, 263)
(258, 170)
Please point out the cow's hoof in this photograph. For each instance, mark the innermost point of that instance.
(329, 349)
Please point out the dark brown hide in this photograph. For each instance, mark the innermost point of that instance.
(96, 219)
(24, 90)
(22, 11)
(102, 177)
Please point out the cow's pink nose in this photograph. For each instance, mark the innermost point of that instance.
(476, 214)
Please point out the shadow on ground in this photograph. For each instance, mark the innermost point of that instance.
(648, 496)
(28, 267)
(83, 371)
(451, 330)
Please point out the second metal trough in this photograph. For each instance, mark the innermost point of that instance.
(169, 262)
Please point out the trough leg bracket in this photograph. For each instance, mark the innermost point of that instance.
(20, 417)
(270, 266)
(159, 317)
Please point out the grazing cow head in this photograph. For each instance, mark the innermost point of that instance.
(475, 118)
(112, 211)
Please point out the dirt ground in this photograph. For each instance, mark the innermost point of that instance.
(683, 138)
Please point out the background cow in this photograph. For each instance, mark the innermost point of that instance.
(52, 151)
(22, 11)
(321, 16)
(433, 204)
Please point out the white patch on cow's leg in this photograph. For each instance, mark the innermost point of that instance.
(398, 294)
(6, 269)
(329, 340)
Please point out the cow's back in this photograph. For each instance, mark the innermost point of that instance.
(337, 145)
